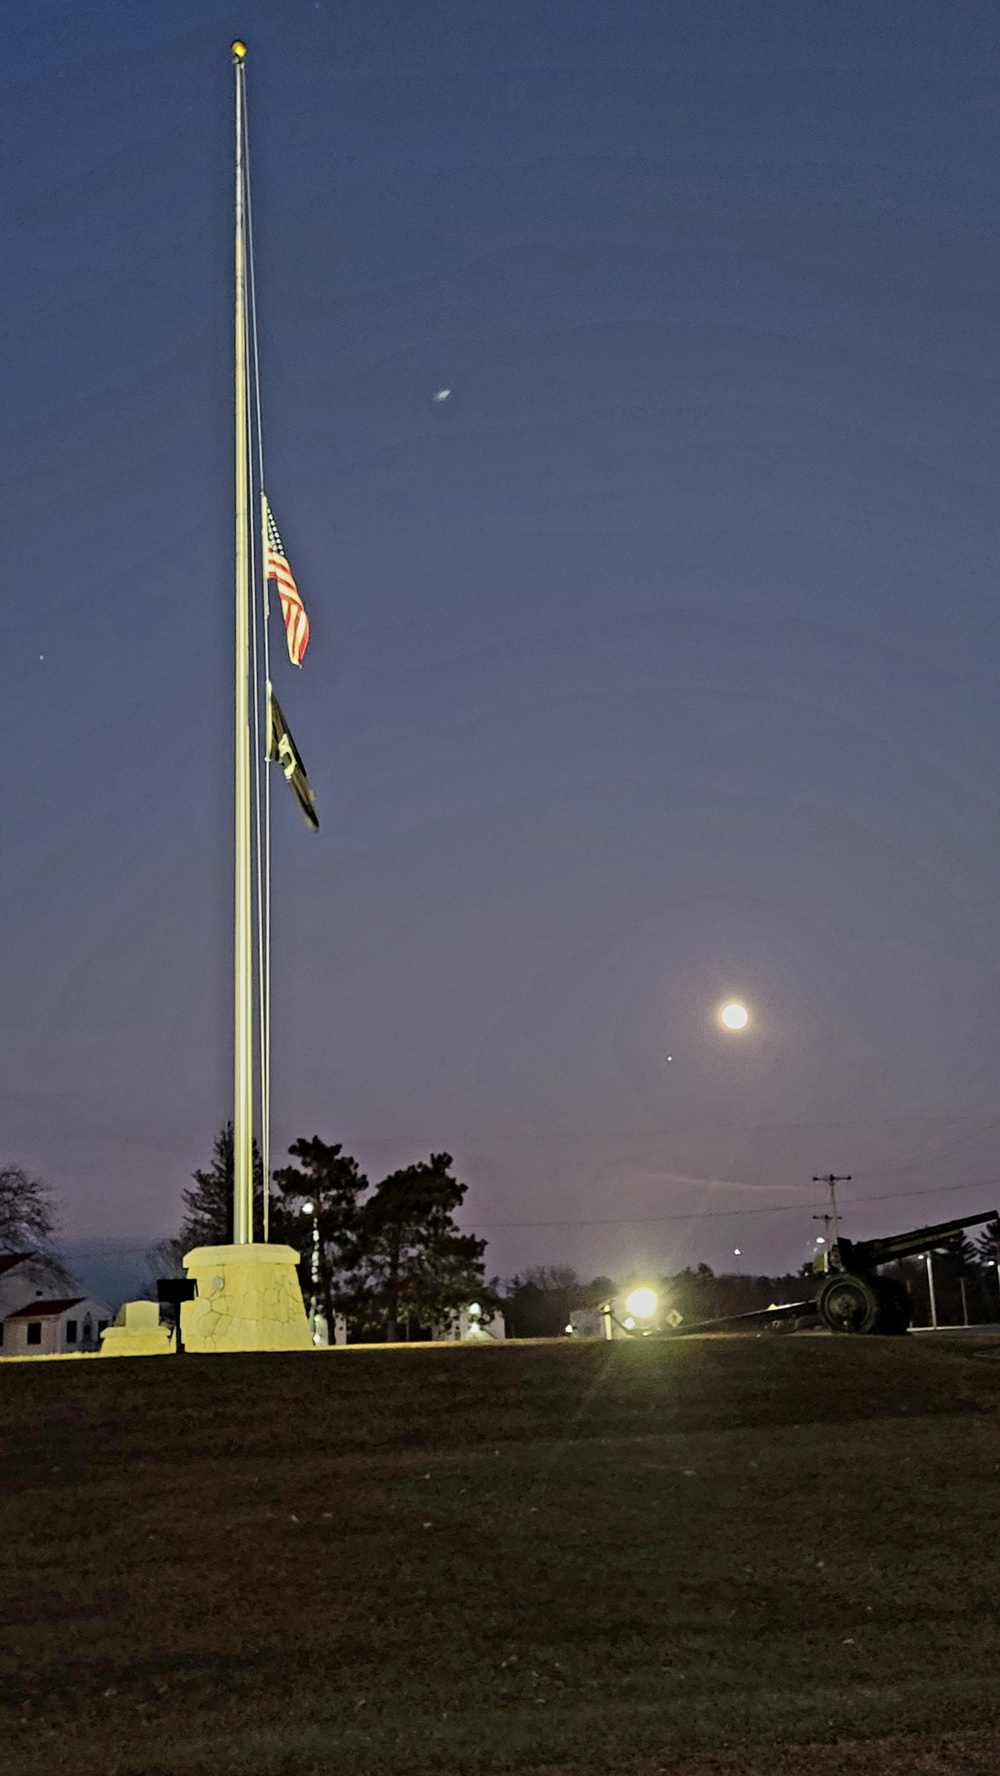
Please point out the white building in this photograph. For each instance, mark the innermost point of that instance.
(43, 1310)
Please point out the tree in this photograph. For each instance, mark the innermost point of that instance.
(166, 1259)
(987, 1250)
(333, 1181)
(694, 1294)
(539, 1303)
(987, 1246)
(209, 1203)
(959, 1282)
(27, 1218)
(413, 1261)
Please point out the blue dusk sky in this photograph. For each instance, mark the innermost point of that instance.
(654, 666)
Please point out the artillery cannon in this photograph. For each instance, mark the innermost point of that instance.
(852, 1296)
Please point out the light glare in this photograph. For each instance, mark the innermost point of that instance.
(641, 1303)
(735, 1016)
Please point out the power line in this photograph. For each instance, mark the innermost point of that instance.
(729, 1214)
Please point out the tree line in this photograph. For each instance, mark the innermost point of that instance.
(390, 1257)
(393, 1260)
(539, 1303)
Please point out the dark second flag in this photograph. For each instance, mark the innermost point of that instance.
(281, 748)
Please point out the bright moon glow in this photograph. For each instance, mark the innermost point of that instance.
(735, 1016)
(641, 1303)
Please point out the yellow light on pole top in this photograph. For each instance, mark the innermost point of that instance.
(734, 1016)
(238, 51)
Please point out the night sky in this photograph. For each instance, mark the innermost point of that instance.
(655, 665)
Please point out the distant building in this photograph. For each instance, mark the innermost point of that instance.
(43, 1310)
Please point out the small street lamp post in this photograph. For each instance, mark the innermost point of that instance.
(317, 1320)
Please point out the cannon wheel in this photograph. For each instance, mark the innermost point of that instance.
(849, 1303)
(895, 1310)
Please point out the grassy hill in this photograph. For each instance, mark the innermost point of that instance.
(719, 1555)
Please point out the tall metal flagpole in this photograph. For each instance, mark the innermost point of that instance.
(243, 924)
(246, 1294)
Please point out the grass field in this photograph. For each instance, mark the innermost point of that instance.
(716, 1556)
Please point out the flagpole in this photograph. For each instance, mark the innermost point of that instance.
(261, 772)
(243, 920)
(246, 1293)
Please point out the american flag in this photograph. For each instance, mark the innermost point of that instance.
(292, 608)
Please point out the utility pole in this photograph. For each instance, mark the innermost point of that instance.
(831, 1180)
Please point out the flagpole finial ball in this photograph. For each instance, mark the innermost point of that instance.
(239, 51)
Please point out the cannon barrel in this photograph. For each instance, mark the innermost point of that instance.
(864, 1255)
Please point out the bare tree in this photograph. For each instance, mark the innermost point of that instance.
(27, 1218)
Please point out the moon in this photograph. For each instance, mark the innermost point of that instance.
(734, 1015)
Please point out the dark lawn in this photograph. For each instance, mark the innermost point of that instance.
(691, 1557)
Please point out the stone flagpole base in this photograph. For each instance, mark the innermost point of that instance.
(248, 1300)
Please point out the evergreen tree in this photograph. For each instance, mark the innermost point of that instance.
(539, 1303)
(413, 1261)
(208, 1203)
(694, 1294)
(333, 1181)
(987, 1246)
(957, 1281)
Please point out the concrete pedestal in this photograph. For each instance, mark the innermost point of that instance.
(248, 1300)
(137, 1333)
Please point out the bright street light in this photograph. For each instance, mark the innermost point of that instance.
(641, 1304)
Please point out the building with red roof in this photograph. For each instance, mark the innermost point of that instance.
(43, 1310)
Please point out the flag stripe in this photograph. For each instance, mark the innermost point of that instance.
(292, 608)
